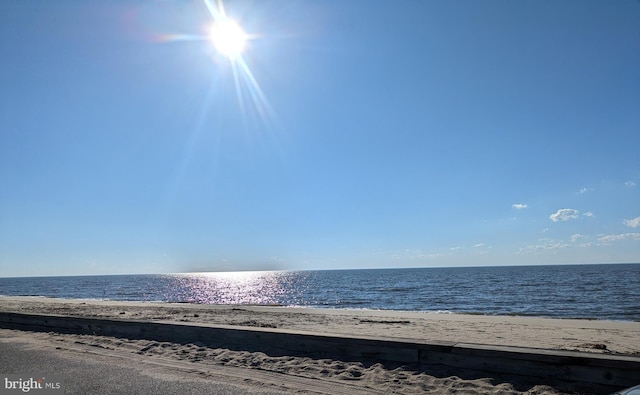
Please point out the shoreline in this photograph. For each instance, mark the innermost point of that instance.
(318, 309)
(311, 308)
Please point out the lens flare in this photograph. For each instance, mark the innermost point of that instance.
(228, 38)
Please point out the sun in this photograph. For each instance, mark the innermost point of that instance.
(228, 38)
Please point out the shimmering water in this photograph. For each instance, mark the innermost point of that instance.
(576, 291)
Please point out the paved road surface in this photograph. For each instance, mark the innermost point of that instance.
(87, 369)
(93, 373)
(88, 374)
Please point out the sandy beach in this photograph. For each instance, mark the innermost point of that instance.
(602, 337)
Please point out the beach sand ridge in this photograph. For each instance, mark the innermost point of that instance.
(606, 337)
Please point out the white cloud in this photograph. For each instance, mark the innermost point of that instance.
(479, 245)
(587, 244)
(630, 184)
(584, 190)
(555, 246)
(546, 244)
(588, 214)
(633, 222)
(623, 236)
(564, 214)
(576, 237)
(519, 206)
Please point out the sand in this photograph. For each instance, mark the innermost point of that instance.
(604, 337)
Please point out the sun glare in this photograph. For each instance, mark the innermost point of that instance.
(228, 38)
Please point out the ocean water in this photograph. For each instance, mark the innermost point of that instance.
(610, 292)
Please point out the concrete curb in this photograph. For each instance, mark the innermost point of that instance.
(564, 370)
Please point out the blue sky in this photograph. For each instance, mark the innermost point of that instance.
(350, 134)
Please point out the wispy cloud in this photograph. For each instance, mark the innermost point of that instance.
(633, 222)
(588, 214)
(630, 184)
(555, 245)
(519, 206)
(624, 236)
(582, 191)
(482, 248)
(545, 244)
(587, 244)
(564, 214)
(576, 237)
(414, 254)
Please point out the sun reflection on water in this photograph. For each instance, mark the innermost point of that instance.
(246, 288)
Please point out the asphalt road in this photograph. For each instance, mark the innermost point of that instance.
(88, 368)
(92, 374)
